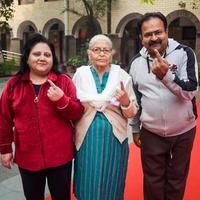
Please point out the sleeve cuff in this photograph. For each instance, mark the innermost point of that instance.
(127, 107)
(169, 77)
(62, 102)
(6, 148)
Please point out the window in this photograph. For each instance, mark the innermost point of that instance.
(21, 2)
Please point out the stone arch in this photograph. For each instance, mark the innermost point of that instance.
(54, 31)
(124, 21)
(188, 16)
(80, 23)
(23, 26)
(50, 23)
(82, 32)
(128, 34)
(184, 14)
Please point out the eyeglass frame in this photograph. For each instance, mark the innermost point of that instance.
(99, 50)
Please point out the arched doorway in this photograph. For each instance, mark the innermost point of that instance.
(184, 26)
(25, 29)
(28, 30)
(5, 38)
(54, 30)
(184, 31)
(84, 30)
(130, 42)
(56, 37)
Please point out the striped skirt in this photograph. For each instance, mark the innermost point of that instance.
(100, 164)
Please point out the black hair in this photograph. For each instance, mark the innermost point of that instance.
(31, 42)
(148, 16)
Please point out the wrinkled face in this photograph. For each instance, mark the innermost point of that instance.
(154, 36)
(40, 59)
(100, 55)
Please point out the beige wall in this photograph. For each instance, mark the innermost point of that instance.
(40, 12)
(122, 8)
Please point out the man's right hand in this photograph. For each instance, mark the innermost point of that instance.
(136, 139)
(7, 160)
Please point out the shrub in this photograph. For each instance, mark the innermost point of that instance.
(76, 61)
(8, 67)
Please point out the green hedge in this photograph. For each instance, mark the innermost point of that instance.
(8, 67)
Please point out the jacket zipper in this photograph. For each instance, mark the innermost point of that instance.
(36, 101)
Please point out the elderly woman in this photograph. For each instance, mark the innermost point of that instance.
(101, 141)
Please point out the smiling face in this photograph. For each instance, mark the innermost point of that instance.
(154, 35)
(40, 59)
(100, 54)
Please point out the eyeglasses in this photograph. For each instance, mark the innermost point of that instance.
(98, 50)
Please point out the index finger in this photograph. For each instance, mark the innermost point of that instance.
(122, 85)
(157, 54)
(52, 84)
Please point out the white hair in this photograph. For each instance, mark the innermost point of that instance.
(100, 37)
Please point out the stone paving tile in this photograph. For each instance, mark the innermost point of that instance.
(11, 189)
(3, 190)
(6, 173)
(12, 196)
(10, 184)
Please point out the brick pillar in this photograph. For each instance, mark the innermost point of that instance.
(116, 45)
(70, 46)
(15, 45)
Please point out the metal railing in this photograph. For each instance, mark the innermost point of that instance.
(9, 55)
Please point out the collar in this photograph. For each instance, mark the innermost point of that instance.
(51, 76)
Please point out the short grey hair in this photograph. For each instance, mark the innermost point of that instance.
(100, 37)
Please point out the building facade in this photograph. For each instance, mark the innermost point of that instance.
(70, 32)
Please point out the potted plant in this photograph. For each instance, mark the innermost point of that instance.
(75, 62)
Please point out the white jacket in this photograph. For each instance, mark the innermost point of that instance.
(167, 106)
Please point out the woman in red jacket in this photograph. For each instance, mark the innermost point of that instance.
(37, 108)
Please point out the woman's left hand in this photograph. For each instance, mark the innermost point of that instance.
(122, 96)
(54, 92)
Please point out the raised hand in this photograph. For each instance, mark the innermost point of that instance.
(122, 96)
(159, 66)
(54, 92)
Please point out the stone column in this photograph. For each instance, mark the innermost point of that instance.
(15, 45)
(70, 46)
(117, 46)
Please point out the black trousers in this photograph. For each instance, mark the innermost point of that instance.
(58, 180)
(165, 163)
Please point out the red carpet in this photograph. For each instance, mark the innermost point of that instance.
(133, 190)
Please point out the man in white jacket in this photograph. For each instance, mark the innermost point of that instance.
(164, 77)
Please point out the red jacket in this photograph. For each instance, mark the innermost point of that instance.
(41, 129)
